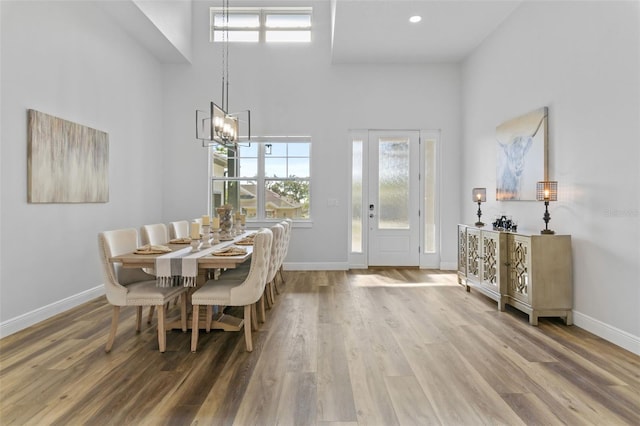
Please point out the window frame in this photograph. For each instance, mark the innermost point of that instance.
(262, 28)
(261, 179)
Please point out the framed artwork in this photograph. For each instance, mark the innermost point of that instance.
(66, 162)
(521, 145)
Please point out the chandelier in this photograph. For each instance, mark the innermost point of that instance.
(218, 125)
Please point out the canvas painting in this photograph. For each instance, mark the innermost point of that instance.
(67, 162)
(522, 155)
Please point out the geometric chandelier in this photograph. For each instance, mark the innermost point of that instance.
(218, 125)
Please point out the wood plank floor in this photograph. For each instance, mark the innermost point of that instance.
(375, 347)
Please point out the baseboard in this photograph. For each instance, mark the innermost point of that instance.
(28, 319)
(334, 266)
(612, 334)
(448, 266)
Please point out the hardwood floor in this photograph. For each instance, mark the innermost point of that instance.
(364, 347)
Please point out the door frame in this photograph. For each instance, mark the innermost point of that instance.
(359, 260)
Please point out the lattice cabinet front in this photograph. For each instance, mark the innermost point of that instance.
(528, 271)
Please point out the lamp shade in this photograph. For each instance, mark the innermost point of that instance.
(479, 195)
(547, 190)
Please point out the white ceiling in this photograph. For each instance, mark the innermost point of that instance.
(379, 31)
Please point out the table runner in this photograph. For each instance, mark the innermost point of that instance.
(178, 268)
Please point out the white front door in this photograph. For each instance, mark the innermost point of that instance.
(393, 198)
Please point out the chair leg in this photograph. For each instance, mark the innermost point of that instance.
(247, 328)
(281, 272)
(208, 318)
(138, 318)
(273, 296)
(267, 296)
(254, 318)
(194, 328)
(162, 333)
(263, 317)
(183, 312)
(275, 283)
(150, 317)
(114, 327)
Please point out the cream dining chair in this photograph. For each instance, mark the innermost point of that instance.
(288, 226)
(179, 229)
(236, 292)
(156, 234)
(133, 287)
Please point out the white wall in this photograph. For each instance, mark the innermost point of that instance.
(582, 60)
(294, 89)
(69, 59)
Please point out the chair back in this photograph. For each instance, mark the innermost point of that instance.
(277, 246)
(154, 234)
(114, 243)
(253, 286)
(288, 226)
(179, 229)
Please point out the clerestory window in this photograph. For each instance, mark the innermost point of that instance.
(270, 25)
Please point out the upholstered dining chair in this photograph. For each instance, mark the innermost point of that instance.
(156, 233)
(133, 287)
(277, 250)
(237, 292)
(179, 229)
(288, 226)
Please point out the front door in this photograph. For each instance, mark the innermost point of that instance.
(393, 198)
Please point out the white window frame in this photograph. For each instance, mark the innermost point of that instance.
(261, 179)
(262, 16)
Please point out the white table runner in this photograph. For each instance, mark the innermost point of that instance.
(181, 266)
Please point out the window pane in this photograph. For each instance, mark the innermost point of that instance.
(393, 183)
(248, 198)
(246, 36)
(288, 21)
(277, 149)
(248, 167)
(249, 151)
(288, 36)
(275, 167)
(237, 20)
(299, 149)
(286, 198)
(298, 167)
(356, 197)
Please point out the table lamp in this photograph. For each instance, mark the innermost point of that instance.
(547, 191)
(479, 195)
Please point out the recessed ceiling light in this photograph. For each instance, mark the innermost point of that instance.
(415, 18)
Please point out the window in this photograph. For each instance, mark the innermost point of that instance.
(266, 180)
(270, 25)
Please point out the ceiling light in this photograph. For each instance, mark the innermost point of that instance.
(415, 19)
(218, 125)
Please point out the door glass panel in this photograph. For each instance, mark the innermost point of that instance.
(430, 196)
(393, 183)
(356, 197)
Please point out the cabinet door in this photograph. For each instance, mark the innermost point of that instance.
(490, 259)
(462, 250)
(473, 254)
(519, 268)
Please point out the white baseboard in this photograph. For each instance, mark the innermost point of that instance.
(334, 266)
(614, 335)
(448, 266)
(28, 319)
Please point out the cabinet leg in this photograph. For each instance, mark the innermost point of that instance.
(533, 318)
(468, 289)
(501, 305)
(568, 320)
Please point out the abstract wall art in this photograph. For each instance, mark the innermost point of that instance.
(521, 145)
(66, 162)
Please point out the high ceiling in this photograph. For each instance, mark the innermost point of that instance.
(379, 31)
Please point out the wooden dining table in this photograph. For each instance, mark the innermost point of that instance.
(208, 265)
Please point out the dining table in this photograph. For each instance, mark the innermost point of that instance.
(209, 262)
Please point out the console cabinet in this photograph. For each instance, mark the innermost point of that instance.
(530, 272)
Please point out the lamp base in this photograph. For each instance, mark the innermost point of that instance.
(547, 232)
(479, 224)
